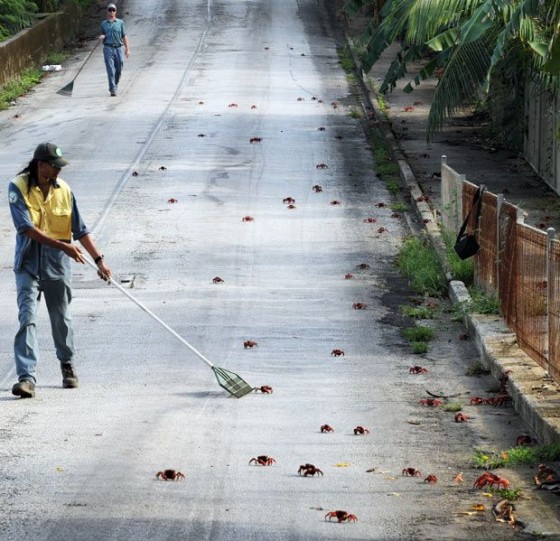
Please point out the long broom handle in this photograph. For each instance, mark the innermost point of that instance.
(150, 313)
(86, 60)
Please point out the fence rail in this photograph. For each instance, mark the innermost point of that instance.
(517, 262)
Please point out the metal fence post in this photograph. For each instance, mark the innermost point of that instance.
(550, 232)
(499, 203)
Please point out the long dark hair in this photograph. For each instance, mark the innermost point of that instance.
(32, 172)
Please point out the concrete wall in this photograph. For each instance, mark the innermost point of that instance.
(31, 47)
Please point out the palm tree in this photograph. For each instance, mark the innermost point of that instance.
(473, 45)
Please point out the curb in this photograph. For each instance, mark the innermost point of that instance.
(535, 396)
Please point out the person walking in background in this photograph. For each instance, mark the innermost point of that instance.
(46, 217)
(114, 38)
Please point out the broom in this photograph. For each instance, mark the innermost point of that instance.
(231, 382)
(67, 90)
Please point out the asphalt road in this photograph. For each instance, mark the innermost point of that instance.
(226, 109)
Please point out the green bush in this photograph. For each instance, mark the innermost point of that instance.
(15, 15)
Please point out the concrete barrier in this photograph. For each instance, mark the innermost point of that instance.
(31, 46)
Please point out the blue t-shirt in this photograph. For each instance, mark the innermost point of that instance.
(114, 32)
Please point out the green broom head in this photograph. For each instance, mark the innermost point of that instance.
(232, 383)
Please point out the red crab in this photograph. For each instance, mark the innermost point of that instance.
(348, 276)
(382, 230)
(337, 353)
(476, 401)
(250, 344)
(327, 428)
(334, 104)
(255, 140)
(232, 105)
(217, 280)
(172, 200)
(201, 135)
(170, 475)
(432, 479)
(500, 400)
(309, 469)
(488, 478)
(360, 430)
(317, 188)
(288, 200)
(525, 439)
(417, 370)
(321, 166)
(301, 99)
(359, 306)
(545, 473)
(263, 460)
(408, 109)
(290, 206)
(163, 168)
(362, 266)
(248, 219)
(430, 402)
(321, 128)
(335, 202)
(411, 472)
(253, 106)
(341, 516)
(381, 205)
(461, 418)
(265, 389)
(370, 220)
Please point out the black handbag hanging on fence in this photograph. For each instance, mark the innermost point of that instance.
(466, 244)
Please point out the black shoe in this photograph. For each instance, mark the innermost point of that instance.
(24, 388)
(113, 93)
(69, 376)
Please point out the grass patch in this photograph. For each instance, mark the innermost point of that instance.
(418, 261)
(477, 369)
(418, 334)
(346, 60)
(386, 168)
(393, 186)
(381, 103)
(57, 58)
(480, 303)
(399, 207)
(419, 348)
(453, 407)
(418, 312)
(510, 494)
(18, 86)
(517, 456)
(354, 113)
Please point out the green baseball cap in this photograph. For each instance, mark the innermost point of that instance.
(50, 153)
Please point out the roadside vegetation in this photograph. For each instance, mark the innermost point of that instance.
(16, 15)
(483, 54)
(21, 85)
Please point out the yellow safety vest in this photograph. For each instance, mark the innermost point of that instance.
(53, 214)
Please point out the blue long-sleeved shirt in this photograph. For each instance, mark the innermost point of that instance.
(39, 260)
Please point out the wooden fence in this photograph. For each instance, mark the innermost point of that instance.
(518, 262)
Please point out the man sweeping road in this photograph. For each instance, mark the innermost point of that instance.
(46, 216)
(114, 37)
